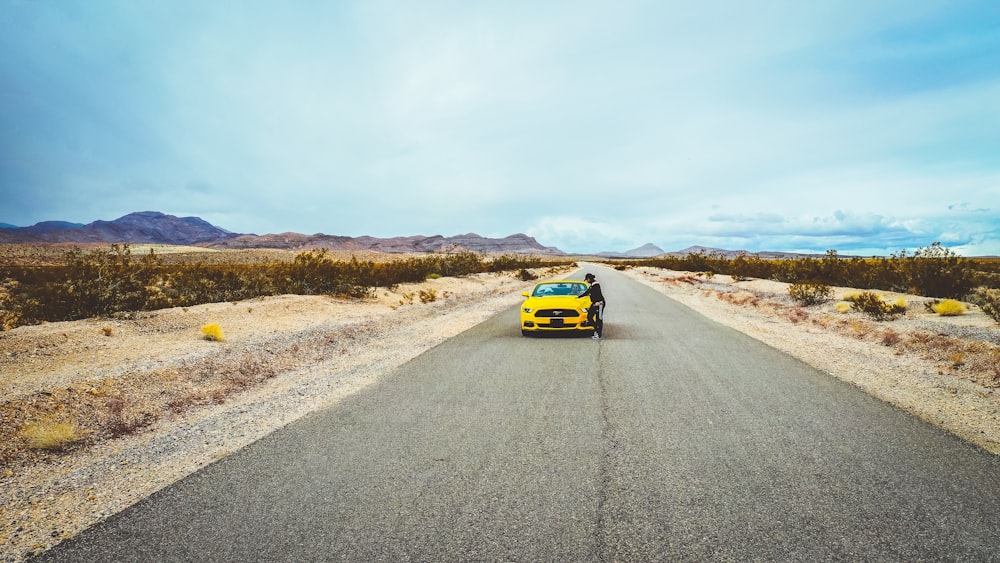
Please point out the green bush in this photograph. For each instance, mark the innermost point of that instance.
(875, 307)
(810, 293)
(936, 271)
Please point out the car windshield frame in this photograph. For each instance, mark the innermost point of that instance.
(559, 289)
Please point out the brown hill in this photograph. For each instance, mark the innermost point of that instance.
(513, 244)
(151, 227)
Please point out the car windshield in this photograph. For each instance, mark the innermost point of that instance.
(559, 288)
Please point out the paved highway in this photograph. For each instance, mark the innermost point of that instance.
(673, 439)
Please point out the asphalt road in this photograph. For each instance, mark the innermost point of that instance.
(673, 439)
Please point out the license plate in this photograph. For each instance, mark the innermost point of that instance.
(556, 322)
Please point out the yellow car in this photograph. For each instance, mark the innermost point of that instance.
(553, 306)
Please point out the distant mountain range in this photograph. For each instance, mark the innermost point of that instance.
(647, 250)
(143, 227)
(709, 251)
(151, 227)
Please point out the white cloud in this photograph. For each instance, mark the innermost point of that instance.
(590, 125)
(575, 234)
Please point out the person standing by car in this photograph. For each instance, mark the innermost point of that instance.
(595, 313)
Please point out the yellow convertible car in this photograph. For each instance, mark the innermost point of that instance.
(553, 306)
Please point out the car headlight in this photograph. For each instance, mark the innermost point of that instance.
(583, 309)
(527, 309)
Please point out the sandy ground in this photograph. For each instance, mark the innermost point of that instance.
(193, 401)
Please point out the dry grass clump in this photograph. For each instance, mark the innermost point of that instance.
(213, 332)
(842, 307)
(51, 435)
(957, 359)
(949, 308)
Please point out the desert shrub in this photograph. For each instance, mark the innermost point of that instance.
(95, 283)
(842, 307)
(526, 275)
(875, 307)
(108, 282)
(933, 271)
(122, 417)
(891, 338)
(936, 271)
(957, 359)
(810, 293)
(740, 268)
(105, 282)
(463, 264)
(992, 309)
(212, 332)
(989, 301)
(428, 295)
(510, 262)
(949, 308)
(434, 276)
(51, 435)
(797, 315)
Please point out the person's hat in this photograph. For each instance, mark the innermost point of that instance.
(589, 277)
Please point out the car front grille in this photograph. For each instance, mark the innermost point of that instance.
(558, 313)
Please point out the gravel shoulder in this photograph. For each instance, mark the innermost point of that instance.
(314, 350)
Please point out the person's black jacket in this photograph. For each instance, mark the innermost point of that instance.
(595, 293)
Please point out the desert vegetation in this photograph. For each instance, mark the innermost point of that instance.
(948, 307)
(934, 271)
(809, 293)
(873, 305)
(962, 353)
(104, 282)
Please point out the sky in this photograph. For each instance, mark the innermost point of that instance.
(863, 126)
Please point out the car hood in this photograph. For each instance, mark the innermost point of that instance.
(557, 302)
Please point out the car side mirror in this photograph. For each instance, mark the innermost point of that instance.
(524, 294)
